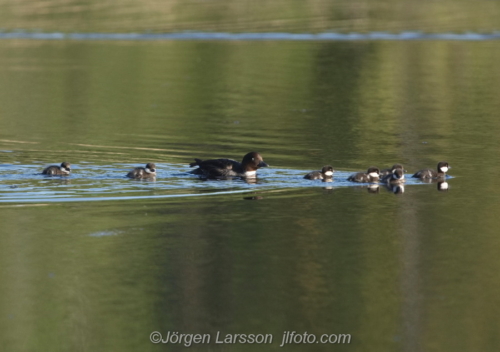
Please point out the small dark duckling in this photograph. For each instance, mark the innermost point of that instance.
(372, 175)
(55, 170)
(221, 168)
(325, 173)
(397, 176)
(442, 168)
(386, 172)
(143, 172)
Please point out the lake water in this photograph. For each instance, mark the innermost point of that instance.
(96, 262)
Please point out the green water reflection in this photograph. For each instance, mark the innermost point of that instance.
(249, 16)
(414, 272)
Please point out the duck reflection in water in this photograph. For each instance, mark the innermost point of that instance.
(374, 188)
(59, 181)
(253, 198)
(144, 179)
(395, 188)
(248, 180)
(329, 183)
(442, 186)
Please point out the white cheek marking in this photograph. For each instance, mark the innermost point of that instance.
(250, 173)
(65, 171)
(444, 169)
(328, 173)
(373, 174)
(148, 171)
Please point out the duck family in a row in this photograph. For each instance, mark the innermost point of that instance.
(220, 168)
(393, 175)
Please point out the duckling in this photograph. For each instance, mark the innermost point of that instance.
(397, 176)
(442, 169)
(325, 173)
(372, 175)
(386, 172)
(143, 172)
(55, 170)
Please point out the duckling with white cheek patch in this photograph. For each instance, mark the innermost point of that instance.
(372, 175)
(143, 172)
(325, 173)
(442, 169)
(397, 176)
(54, 170)
(386, 172)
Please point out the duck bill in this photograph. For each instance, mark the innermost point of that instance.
(262, 164)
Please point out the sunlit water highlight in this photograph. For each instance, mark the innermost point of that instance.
(24, 183)
(327, 36)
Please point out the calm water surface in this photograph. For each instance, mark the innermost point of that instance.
(96, 262)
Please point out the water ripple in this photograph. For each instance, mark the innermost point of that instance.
(326, 36)
(25, 184)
